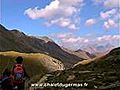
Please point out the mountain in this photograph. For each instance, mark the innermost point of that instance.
(80, 53)
(111, 57)
(46, 39)
(14, 40)
(88, 55)
(98, 49)
(101, 73)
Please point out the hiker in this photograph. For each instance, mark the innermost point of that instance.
(19, 74)
(7, 80)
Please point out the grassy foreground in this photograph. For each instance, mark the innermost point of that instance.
(33, 62)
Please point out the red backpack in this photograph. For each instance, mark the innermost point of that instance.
(18, 73)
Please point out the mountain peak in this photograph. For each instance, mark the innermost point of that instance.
(45, 38)
(2, 27)
(17, 32)
(79, 50)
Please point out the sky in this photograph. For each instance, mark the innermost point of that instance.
(70, 23)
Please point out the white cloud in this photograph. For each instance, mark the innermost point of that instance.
(47, 12)
(62, 35)
(72, 27)
(71, 2)
(110, 24)
(111, 3)
(108, 3)
(106, 25)
(69, 40)
(110, 38)
(111, 16)
(63, 22)
(90, 22)
(56, 10)
(73, 40)
(97, 1)
(108, 14)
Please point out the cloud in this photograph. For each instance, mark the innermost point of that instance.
(110, 38)
(110, 24)
(57, 9)
(62, 35)
(111, 16)
(108, 14)
(47, 12)
(69, 40)
(108, 3)
(111, 3)
(90, 22)
(75, 40)
(63, 22)
(97, 1)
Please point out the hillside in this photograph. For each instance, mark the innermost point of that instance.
(80, 53)
(36, 64)
(102, 61)
(13, 40)
(101, 73)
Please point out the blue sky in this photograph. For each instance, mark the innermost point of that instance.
(13, 16)
(79, 18)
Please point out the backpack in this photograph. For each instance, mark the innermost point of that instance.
(18, 73)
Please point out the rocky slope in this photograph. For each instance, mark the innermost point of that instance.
(102, 73)
(13, 40)
(80, 53)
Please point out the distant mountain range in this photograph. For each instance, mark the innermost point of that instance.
(80, 53)
(98, 49)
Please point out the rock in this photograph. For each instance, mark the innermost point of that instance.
(71, 77)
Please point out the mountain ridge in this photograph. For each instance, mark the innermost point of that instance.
(14, 40)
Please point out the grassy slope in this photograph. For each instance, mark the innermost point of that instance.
(34, 63)
(101, 73)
